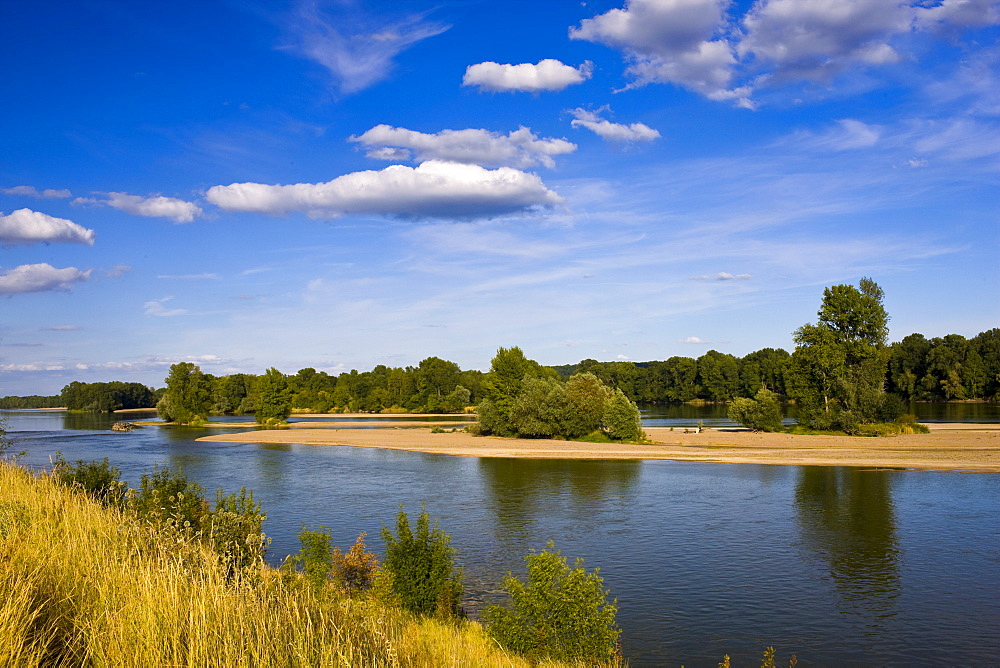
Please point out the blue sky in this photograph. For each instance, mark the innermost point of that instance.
(343, 184)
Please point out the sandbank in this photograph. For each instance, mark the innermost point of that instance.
(951, 446)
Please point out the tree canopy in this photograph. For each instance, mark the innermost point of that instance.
(837, 373)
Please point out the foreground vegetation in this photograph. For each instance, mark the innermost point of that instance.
(124, 592)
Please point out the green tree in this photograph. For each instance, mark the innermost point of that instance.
(838, 370)
(762, 413)
(719, 375)
(908, 365)
(272, 397)
(588, 398)
(229, 392)
(621, 418)
(421, 564)
(188, 397)
(559, 613)
(988, 346)
(539, 409)
(502, 385)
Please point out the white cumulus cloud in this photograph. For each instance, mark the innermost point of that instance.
(670, 41)
(154, 206)
(694, 339)
(32, 191)
(814, 40)
(39, 278)
(433, 189)
(26, 227)
(609, 131)
(520, 148)
(707, 47)
(548, 74)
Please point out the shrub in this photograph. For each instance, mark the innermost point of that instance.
(315, 557)
(357, 569)
(96, 478)
(560, 613)
(166, 496)
(421, 564)
(235, 530)
(762, 413)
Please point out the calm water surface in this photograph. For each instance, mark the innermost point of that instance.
(841, 566)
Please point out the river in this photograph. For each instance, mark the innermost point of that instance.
(841, 566)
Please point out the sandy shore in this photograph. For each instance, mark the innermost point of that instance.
(961, 447)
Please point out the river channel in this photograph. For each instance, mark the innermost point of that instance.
(841, 566)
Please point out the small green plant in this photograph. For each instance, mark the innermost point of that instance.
(6, 443)
(421, 564)
(560, 613)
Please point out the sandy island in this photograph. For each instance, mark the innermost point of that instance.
(952, 446)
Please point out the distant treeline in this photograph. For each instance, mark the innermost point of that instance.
(32, 401)
(945, 368)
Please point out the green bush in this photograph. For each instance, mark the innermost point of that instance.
(762, 413)
(560, 613)
(421, 564)
(96, 478)
(315, 557)
(235, 529)
(166, 496)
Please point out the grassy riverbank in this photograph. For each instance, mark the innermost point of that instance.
(87, 585)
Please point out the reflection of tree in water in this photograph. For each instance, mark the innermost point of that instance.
(847, 519)
(519, 490)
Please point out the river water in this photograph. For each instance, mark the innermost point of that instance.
(841, 566)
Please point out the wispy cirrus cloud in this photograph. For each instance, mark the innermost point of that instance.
(358, 49)
(519, 148)
(546, 75)
(190, 277)
(434, 189)
(156, 308)
(41, 277)
(723, 276)
(27, 227)
(608, 131)
(32, 191)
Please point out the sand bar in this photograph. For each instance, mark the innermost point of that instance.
(959, 447)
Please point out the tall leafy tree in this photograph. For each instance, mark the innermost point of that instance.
(188, 397)
(988, 346)
(839, 364)
(273, 397)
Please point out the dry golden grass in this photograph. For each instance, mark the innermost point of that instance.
(84, 585)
